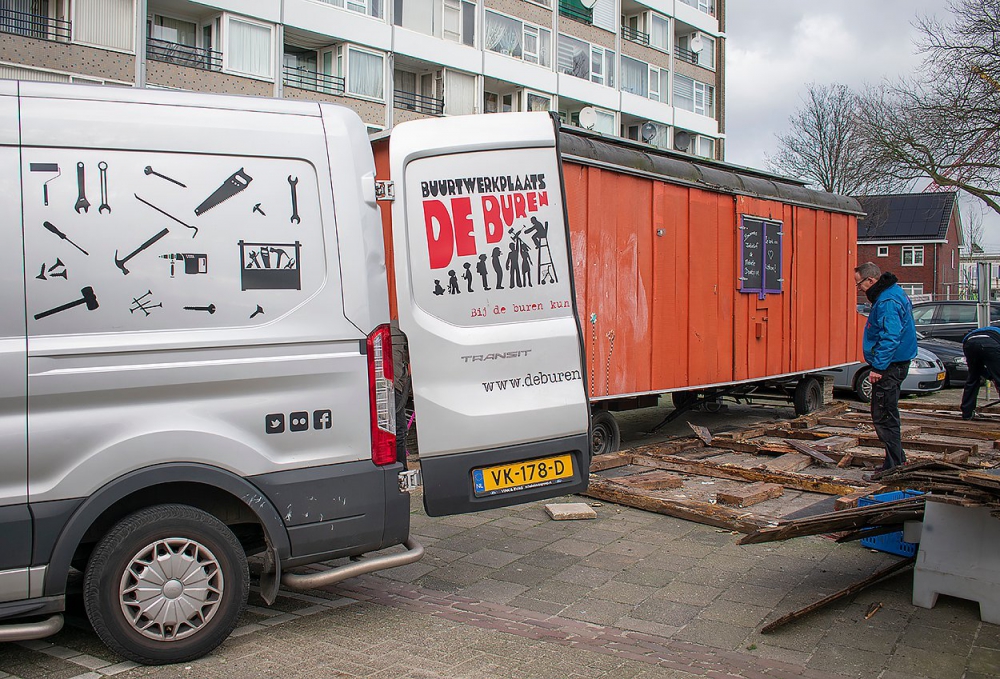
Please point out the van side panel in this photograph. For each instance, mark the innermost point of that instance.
(15, 535)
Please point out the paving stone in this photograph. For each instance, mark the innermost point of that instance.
(742, 615)
(647, 627)
(546, 558)
(493, 590)
(597, 611)
(584, 575)
(630, 547)
(687, 593)
(570, 511)
(916, 635)
(665, 612)
(514, 544)
(933, 663)
(649, 576)
(715, 634)
(524, 574)
(557, 591)
(847, 661)
(574, 547)
(862, 637)
(491, 558)
(985, 661)
(988, 636)
(757, 595)
(624, 593)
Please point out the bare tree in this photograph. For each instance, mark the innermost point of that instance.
(944, 123)
(824, 147)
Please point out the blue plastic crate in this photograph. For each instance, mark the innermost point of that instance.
(891, 543)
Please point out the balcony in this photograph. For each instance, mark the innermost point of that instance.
(183, 55)
(684, 54)
(635, 35)
(307, 79)
(34, 25)
(576, 11)
(410, 101)
(706, 6)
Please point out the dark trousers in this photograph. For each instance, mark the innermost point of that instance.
(983, 356)
(885, 412)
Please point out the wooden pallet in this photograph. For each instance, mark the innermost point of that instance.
(754, 477)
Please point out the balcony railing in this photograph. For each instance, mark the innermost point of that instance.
(307, 79)
(684, 54)
(183, 55)
(410, 101)
(34, 25)
(568, 8)
(635, 35)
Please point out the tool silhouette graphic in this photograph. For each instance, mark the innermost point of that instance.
(210, 308)
(120, 263)
(149, 170)
(167, 214)
(87, 296)
(51, 227)
(81, 201)
(103, 167)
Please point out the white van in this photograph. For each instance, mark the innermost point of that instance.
(196, 355)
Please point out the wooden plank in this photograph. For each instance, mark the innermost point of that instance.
(749, 495)
(836, 444)
(836, 596)
(655, 480)
(790, 462)
(809, 450)
(599, 463)
(721, 470)
(850, 500)
(702, 453)
(701, 432)
(699, 512)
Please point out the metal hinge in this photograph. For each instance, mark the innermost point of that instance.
(410, 480)
(385, 189)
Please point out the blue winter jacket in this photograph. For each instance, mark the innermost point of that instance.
(890, 335)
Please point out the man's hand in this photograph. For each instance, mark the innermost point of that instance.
(874, 377)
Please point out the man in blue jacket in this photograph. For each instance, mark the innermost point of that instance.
(890, 343)
(982, 352)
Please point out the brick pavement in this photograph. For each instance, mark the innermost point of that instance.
(630, 594)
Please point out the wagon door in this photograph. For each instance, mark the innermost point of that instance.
(485, 295)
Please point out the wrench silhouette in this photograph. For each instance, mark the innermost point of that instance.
(81, 202)
(295, 200)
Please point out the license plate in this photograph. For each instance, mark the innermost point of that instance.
(941, 377)
(510, 478)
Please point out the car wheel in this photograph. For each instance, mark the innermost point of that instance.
(808, 396)
(605, 436)
(167, 584)
(863, 385)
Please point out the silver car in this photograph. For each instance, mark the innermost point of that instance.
(926, 374)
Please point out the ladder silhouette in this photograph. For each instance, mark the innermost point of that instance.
(546, 269)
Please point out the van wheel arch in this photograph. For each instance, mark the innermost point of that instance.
(235, 502)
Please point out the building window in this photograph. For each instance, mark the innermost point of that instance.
(372, 8)
(176, 31)
(697, 48)
(693, 95)
(659, 32)
(515, 38)
(580, 59)
(453, 20)
(533, 101)
(913, 255)
(641, 79)
(706, 6)
(249, 48)
(953, 265)
(912, 288)
(459, 93)
(705, 147)
(883, 251)
(363, 72)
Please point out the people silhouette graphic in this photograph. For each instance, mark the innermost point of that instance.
(438, 290)
(483, 271)
(467, 275)
(498, 267)
(512, 265)
(525, 263)
(453, 283)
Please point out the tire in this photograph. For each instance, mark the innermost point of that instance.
(181, 537)
(605, 436)
(808, 396)
(863, 386)
(682, 399)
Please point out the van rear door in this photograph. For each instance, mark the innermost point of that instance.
(485, 295)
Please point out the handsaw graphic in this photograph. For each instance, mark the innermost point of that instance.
(238, 181)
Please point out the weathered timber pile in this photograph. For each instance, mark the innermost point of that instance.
(763, 475)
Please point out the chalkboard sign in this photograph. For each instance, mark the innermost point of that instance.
(772, 257)
(760, 255)
(752, 255)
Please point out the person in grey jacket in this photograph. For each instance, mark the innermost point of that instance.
(890, 343)
(982, 352)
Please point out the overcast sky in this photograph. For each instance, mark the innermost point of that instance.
(774, 48)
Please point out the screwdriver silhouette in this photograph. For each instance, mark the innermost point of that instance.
(51, 227)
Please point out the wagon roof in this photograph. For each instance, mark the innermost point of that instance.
(588, 148)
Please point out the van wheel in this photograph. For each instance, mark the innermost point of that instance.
(167, 584)
(863, 385)
(605, 436)
(808, 396)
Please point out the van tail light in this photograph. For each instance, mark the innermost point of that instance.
(381, 397)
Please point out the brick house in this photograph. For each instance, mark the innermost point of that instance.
(917, 237)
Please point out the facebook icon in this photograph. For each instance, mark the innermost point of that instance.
(322, 419)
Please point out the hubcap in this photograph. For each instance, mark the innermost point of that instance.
(866, 388)
(171, 589)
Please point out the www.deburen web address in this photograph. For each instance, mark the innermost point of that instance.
(536, 380)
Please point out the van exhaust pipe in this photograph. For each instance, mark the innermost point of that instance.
(24, 631)
(300, 581)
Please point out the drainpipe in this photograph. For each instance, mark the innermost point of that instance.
(140, 42)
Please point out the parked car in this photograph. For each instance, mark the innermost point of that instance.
(927, 374)
(951, 355)
(951, 320)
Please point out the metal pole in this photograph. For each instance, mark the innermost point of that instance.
(984, 281)
(140, 42)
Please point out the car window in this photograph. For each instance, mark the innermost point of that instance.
(994, 313)
(924, 315)
(958, 313)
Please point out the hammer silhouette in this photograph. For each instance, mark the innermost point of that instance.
(88, 297)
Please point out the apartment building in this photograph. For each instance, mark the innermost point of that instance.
(652, 71)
